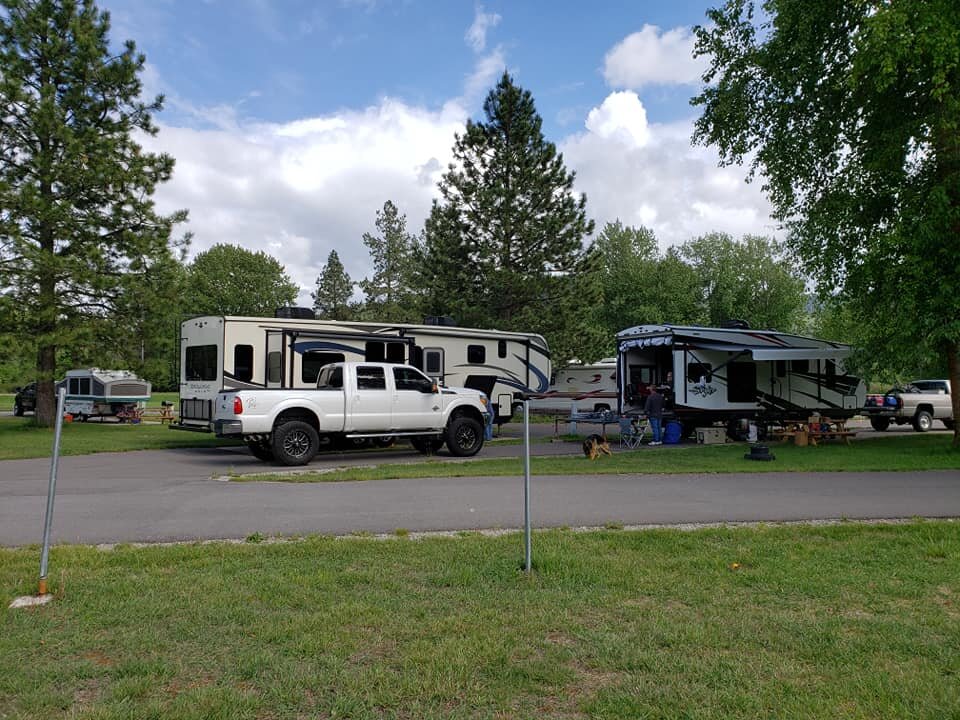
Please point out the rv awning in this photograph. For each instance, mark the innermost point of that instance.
(646, 342)
(799, 353)
(768, 353)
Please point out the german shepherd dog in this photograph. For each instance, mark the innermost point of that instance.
(595, 446)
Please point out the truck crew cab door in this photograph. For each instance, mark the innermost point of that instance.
(415, 405)
(371, 404)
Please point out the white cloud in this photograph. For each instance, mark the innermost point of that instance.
(622, 118)
(300, 189)
(662, 183)
(476, 35)
(653, 57)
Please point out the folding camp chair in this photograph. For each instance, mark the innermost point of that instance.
(631, 433)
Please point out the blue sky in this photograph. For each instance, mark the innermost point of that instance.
(293, 121)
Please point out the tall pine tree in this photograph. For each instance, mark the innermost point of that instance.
(388, 293)
(331, 298)
(507, 234)
(76, 216)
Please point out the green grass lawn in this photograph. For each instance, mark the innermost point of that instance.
(20, 438)
(840, 621)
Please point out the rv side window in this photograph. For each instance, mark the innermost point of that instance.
(742, 382)
(781, 368)
(313, 362)
(375, 352)
(696, 371)
(243, 362)
(800, 366)
(371, 378)
(201, 362)
(79, 386)
(273, 366)
(433, 361)
(476, 354)
(395, 353)
(416, 357)
(502, 348)
(831, 368)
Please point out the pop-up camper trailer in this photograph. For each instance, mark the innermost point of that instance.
(731, 374)
(103, 393)
(225, 352)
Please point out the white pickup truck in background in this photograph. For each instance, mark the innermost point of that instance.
(353, 400)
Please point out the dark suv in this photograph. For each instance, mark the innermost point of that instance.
(25, 400)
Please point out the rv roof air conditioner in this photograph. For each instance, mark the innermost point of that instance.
(294, 313)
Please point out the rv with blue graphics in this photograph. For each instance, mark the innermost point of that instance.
(222, 352)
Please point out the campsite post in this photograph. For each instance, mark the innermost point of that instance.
(51, 492)
(526, 484)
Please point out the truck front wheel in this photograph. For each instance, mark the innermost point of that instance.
(295, 442)
(922, 421)
(464, 436)
(879, 423)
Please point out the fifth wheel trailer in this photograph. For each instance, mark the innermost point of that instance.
(219, 352)
(733, 374)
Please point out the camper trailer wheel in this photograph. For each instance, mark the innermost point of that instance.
(295, 442)
(261, 450)
(879, 423)
(464, 436)
(426, 445)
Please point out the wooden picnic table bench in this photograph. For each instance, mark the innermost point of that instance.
(810, 433)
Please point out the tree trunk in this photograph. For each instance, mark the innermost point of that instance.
(46, 413)
(953, 368)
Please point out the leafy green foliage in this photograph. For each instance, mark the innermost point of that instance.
(78, 228)
(850, 110)
(231, 280)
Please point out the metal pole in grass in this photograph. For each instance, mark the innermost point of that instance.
(526, 484)
(51, 493)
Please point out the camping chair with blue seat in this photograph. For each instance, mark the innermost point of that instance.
(631, 433)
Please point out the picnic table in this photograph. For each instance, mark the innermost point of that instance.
(814, 431)
(602, 418)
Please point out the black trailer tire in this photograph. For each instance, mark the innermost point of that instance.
(880, 424)
(261, 450)
(922, 421)
(426, 444)
(464, 436)
(295, 442)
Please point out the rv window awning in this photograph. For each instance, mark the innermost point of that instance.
(646, 342)
(799, 353)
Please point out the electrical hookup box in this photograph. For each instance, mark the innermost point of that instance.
(711, 435)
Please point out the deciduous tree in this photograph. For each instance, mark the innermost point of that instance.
(849, 111)
(231, 280)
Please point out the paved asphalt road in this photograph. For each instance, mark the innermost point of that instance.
(176, 495)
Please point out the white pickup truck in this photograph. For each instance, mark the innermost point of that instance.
(353, 400)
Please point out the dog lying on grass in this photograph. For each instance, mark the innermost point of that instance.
(595, 446)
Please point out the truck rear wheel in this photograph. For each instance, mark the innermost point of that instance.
(922, 421)
(879, 423)
(464, 436)
(295, 442)
(948, 424)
